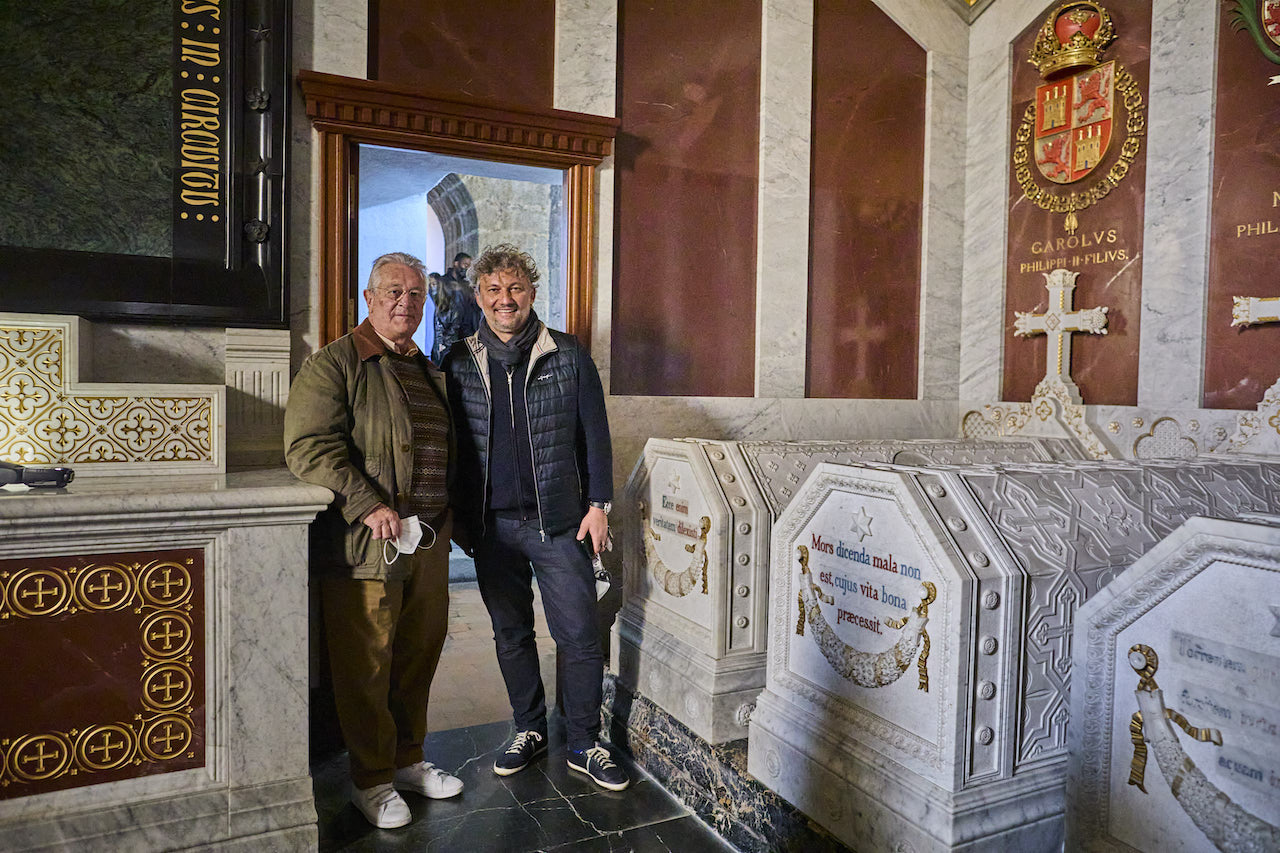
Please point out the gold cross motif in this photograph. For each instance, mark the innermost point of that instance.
(41, 756)
(39, 592)
(167, 636)
(1057, 323)
(105, 587)
(106, 747)
(164, 743)
(168, 687)
(166, 582)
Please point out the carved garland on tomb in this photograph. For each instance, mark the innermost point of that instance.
(1067, 129)
(161, 593)
(43, 421)
(677, 583)
(1229, 826)
(866, 669)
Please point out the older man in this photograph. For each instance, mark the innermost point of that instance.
(535, 482)
(368, 418)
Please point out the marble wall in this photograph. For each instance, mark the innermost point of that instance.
(963, 314)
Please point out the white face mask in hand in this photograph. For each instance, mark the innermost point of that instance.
(410, 535)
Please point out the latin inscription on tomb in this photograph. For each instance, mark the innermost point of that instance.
(864, 584)
(676, 525)
(1208, 666)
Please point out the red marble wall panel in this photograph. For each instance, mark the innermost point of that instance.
(460, 49)
(1106, 248)
(866, 202)
(104, 668)
(1244, 252)
(685, 218)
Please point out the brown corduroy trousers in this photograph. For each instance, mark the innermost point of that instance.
(385, 639)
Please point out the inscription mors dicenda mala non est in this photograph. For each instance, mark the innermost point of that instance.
(868, 590)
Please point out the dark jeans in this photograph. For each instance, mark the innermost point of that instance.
(511, 552)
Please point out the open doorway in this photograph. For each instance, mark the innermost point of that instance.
(435, 206)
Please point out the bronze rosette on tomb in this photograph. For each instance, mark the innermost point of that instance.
(1070, 125)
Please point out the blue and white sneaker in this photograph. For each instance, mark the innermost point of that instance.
(524, 747)
(598, 764)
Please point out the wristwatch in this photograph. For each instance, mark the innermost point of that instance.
(603, 506)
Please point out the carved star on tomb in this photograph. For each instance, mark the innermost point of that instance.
(861, 524)
(1058, 323)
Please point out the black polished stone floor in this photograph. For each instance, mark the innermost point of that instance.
(544, 807)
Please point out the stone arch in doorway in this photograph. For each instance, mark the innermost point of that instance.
(456, 210)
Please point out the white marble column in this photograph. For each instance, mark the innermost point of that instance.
(782, 230)
(946, 37)
(1179, 170)
(586, 81)
(986, 166)
(257, 378)
(330, 36)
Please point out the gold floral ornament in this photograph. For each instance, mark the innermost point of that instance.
(1068, 128)
(866, 669)
(48, 418)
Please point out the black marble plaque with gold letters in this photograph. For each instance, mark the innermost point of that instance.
(144, 158)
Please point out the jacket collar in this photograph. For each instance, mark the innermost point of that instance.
(368, 344)
(541, 346)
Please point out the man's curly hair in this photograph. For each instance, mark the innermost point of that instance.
(503, 256)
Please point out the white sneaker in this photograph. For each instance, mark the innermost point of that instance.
(382, 806)
(428, 780)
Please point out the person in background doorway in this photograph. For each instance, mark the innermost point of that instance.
(457, 314)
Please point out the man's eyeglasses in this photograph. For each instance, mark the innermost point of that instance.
(395, 294)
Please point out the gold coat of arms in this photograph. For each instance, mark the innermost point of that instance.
(1068, 128)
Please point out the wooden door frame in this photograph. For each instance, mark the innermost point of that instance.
(347, 112)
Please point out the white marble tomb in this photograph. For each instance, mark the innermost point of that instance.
(696, 516)
(920, 623)
(213, 651)
(153, 613)
(1175, 712)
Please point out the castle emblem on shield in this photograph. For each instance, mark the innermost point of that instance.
(1067, 129)
(1073, 123)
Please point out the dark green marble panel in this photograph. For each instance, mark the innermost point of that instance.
(86, 142)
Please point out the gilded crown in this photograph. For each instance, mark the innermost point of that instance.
(1073, 36)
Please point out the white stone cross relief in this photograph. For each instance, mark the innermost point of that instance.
(1058, 322)
(1251, 310)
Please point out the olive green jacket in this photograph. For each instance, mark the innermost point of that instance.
(347, 428)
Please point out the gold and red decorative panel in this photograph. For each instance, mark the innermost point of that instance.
(1077, 188)
(104, 659)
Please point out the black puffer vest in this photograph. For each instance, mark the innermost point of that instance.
(551, 399)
